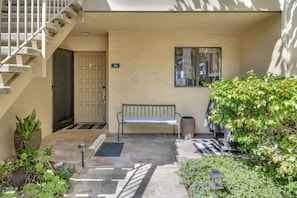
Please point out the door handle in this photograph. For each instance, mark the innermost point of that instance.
(104, 94)
(53, 87)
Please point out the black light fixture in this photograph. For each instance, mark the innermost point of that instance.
(82, 148)
(216, 177)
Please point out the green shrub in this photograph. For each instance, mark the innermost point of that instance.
(240, 181)
(42, 180)
(261, 112)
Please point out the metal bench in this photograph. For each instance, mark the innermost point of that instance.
(148, 114)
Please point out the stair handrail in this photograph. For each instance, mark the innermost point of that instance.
(49, 9)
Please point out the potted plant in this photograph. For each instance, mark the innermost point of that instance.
(29, 173)
(28, 132)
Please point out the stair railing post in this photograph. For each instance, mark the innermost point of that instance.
(83, 11)
(43, 40)
(0, 29)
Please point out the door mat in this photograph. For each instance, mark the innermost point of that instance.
(209, 146)
(87, 126)
(110, 149)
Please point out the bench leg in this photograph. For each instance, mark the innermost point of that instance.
(118, 132)
(178, 132)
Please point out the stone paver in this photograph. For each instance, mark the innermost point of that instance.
(146, 168)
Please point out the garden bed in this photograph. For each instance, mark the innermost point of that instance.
(242, 179)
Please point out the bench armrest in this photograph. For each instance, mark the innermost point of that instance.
(178, 114)
(118, 116)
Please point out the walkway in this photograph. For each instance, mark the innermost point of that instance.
(145, 169)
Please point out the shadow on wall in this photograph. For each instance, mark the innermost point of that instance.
(283, 61)
(196, 5)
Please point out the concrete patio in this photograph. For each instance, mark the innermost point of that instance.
(146, 167)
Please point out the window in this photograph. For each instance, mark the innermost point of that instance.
(196, 65)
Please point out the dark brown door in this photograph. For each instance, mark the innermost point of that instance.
(63, 91)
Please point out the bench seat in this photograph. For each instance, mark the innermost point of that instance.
(150, 121)
(148, 114)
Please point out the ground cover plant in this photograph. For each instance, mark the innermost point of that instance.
(241, 180)
(261, 112)
(39, 177)
(29, 172)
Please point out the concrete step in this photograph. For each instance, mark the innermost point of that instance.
(76, 6)
(54, 28)
(5, 89)
(14, 68)
(70, 12)
(62, 18)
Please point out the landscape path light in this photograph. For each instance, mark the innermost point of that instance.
(82, 148)
(216, 177)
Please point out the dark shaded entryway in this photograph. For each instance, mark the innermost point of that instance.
(63, 89)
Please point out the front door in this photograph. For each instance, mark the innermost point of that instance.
(89, 79)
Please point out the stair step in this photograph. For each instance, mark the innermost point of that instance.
(54, 28)
(30, 51)
(5, 89)
(76, 6)
(70, 12)
(63, 19)
(14, 68)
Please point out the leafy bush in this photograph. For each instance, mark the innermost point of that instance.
(240, 181)
(41, 180)
(261, 112)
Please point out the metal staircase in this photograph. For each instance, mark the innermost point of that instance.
(31, 30)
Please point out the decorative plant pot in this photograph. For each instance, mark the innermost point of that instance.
(187, 127)
(34, 142)
(18, 177)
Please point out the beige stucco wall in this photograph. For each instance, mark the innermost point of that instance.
(188, 5)
(290, 36)
(36, 95)
(259, 43)
(85, 43)
(146, 73)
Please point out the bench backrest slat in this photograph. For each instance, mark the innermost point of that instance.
(148, 111)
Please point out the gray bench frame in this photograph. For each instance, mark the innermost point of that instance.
(148, 114)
